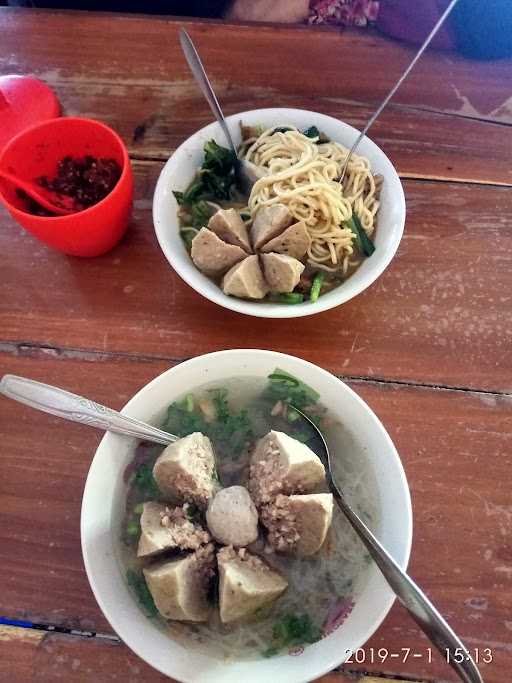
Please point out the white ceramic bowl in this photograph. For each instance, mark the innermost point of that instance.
(103, 509)
(179, 171)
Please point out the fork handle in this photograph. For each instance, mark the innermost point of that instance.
(69, 406)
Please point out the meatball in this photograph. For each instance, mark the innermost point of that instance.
(232, 517)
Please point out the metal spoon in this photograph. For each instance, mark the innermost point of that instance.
(247, 173)
(46, 199)
(79, 409)
(393, 90)
(410, 595)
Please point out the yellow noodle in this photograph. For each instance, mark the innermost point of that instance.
(303, 175)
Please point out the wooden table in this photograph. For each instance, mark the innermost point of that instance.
(427, 346)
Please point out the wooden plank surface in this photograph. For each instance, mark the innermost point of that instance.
(440, 314)
(455, 447)
(46, 658)
(439, 317)
(134, 90)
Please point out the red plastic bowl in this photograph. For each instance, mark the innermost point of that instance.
(36, 151)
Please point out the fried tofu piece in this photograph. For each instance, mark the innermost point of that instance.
(180, 587)
(227, 224)
(298, 524)
(185, 471)
(282, 272)
(269, 222)
(281, 464)
(245, 280)
(232, 517)
(294, 241)
(246, 583)
(163, 528)
(212, 255)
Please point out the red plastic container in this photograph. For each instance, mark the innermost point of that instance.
(36, 152)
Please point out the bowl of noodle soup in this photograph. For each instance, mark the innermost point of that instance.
(368, 469)
(302, 174)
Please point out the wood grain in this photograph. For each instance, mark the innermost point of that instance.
(155, 105)
(440, 314)
(455, 447)
(27, 655)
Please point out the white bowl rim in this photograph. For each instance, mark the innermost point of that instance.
(337, 296)
(88, 550)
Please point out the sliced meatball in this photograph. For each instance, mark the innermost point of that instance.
(232, 517)
(246, 583)
(269, 222)
(281, 272)
(281, 464)
(212, 255)
(245, 280)
(298, 524)
(294, 241)
(180, 587)
(185, 471)
(163, 528)
(228, 225)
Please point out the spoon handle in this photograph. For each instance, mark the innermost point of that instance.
(197, 68)
(79, 409)
(413, 599)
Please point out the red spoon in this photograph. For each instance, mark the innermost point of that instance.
(52, 202)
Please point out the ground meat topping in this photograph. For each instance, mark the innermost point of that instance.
(185, 534)
(281, 524)
(228, 553)
(203, 562)
(266, 480)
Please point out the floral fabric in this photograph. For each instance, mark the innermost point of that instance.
(343, 12)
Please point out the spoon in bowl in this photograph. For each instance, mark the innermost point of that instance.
(76, 408)
(247, 173)
(46, 199)
(410, 595)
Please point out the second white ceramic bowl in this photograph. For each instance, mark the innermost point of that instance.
(180, 169)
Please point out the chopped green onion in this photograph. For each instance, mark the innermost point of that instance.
(279, 377)
(132, 528)
(282, 129)
(189, 403)
(316, 287)
(139, 509)
(364, 243)
(139, 586)
(292, 415)
(291, 298)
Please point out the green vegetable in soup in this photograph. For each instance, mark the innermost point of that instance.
(214, 180)
(138, 585)
(193, 513)
(145, 483)
(290, 630)
(364, 243)
(230, 431)
(287, 388)
(312, 132)
(289, 298)
(316, 287)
